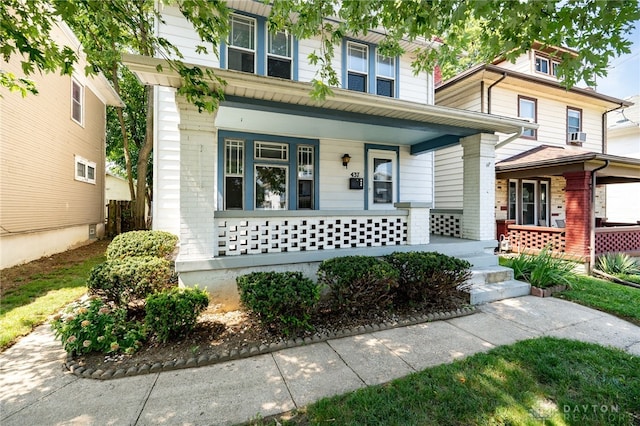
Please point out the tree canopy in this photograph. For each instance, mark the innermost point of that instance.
(470, 31)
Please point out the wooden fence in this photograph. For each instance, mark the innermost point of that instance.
(119, 217)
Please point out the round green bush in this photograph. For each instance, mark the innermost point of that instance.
(429, 276)
(173, 313)
(142, 243)
(124, 280)
(93, 325)
(357, 283)
(283, 300)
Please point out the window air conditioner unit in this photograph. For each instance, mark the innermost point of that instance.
(577, 137)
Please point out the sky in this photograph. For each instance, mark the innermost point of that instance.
(623, 79)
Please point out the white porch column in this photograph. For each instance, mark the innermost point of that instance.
(418, 222)
(198, 159)
(479, 193)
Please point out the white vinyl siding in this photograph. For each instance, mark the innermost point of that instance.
(178, 31)
(448, 178)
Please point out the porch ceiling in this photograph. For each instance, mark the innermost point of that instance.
(548, 160)
(265, 104)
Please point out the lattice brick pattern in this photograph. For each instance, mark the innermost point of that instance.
(256, 236)
(617, 241)
(446, 224)
(521, 239)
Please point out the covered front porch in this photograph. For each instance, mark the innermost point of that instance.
(575, 226)
(263, 183)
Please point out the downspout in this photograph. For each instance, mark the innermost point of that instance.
(592, 232)
(504, 75)
(604, 127)
(511, 138)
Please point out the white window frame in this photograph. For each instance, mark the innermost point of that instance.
(386, 77)
(238, 172)
(79, 102)
(269, 39)
(86, 164)
(364, 73)
(254, 42)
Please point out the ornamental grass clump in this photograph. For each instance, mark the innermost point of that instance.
(543, 270)
(173, 313)
(283, 301)
(429, 277)
(93, 325)
(142, 243)
(618, 264)
(356, 283)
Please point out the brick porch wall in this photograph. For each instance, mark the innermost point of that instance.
(578, 212)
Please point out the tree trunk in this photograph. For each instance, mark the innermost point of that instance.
(143, 163)
(125, 136)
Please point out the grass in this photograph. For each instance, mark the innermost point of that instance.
(616, 299)
(29, 305)
(540, 381)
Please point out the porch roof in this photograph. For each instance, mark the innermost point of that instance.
(546, 160)
(267, 103)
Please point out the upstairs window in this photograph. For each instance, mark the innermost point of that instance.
(241, 51)
(527, 108)
(279, 55)
(546, 66)
(357, 66)
(77, 101)
(574, 120)
(385, 75)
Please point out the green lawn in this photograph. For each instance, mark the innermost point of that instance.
(29, 305)
(539, 381)
(616, 299)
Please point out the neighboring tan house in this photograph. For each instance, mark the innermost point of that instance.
(52, 151)
(545, 176)
(276, 180)
(623, 138)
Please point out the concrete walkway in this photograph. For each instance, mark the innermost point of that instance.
(34, 389)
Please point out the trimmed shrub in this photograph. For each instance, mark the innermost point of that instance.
(282, 300)
(358, 282)
(543, 270)
(173, 313)
(142, 243)
(92, 325)
(429, 277)
(618, 264)
(124, 280)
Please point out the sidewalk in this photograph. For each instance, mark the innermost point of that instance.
(35, 390)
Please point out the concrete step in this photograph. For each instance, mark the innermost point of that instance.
(480, 260)
(489, 292)
(490, 274)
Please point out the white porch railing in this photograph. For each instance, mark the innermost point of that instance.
(258, 232)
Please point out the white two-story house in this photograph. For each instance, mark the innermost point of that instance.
(277, 180)
(549, 180)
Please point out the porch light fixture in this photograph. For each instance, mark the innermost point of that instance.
(345, 160)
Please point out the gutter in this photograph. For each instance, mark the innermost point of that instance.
(511, 138)
(605, 127)
(592, 231)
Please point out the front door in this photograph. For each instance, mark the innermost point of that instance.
(382, 177)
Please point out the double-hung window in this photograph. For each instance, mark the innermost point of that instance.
(269, 175)
(528, 108)
(279, 55)
(77, 101)
(357, 66)
(574, 120)
(528, 202)
(85, 170)
(385, 75)
(546, 66)
(241, 51)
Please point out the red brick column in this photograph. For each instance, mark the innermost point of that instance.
(578, 213)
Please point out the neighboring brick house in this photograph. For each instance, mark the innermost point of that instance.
(544, 176)
(52, 151)
(277, 180)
